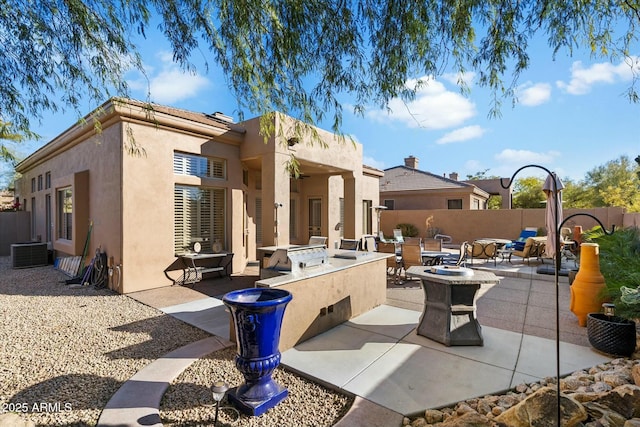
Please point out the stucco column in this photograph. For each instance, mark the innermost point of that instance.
(352, 206)
(275, 199)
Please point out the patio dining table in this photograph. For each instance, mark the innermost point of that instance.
(500, 243)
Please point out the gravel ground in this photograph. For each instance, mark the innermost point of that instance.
(189, 402)
(64, 352)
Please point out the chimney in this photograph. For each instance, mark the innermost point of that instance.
(411, 162)
(453, 176)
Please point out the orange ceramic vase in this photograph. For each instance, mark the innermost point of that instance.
(587, 288)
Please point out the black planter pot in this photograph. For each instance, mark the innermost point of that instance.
(611, 334)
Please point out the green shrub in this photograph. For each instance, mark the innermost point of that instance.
(408, 230)
(620, 266)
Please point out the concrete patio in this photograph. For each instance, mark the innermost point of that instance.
(394, 372)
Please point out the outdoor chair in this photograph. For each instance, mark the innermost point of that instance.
(412, 240)
(518, 244)
(368, 243)
(394, 263)
(411, 255)
(443, 238)
(533, 248)
(317, 240)
(460, 260)
(397, 235)
(349, 244)
(432, 244)
(482, 249)
(382, 238)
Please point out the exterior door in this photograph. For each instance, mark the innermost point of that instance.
(315, 217)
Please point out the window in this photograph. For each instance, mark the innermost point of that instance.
(47, 213)
(39, 182)
(203, 167)
(199, 217)
(33, 185)
(258, 220)
(65, 213)
(33, 218)
(389, 204)
(476, 204)
(454, 204)
(47, 180)
(366, 216)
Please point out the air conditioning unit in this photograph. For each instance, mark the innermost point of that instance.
(25, 255)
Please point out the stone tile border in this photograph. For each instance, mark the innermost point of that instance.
(137, 401)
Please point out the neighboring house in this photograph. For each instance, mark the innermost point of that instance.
(195, 178)
(7, 202)
(408, 188)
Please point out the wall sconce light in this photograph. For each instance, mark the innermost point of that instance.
(218, 390)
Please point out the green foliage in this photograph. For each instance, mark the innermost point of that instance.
(494, 202)
(528, 194)
(616, 183)
(620, 266)
(408, 230)
(292, 56)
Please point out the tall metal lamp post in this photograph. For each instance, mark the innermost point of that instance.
(557, 263)
(378, 210)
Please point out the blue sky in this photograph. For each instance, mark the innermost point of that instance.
(572, 115)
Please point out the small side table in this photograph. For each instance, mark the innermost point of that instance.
(505, 254)
(449, 314)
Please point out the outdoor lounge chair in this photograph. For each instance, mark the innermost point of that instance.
(518, 244)
(533, 248)
(397, 235)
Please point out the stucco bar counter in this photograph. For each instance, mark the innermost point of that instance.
(329, 294)
(449, 314)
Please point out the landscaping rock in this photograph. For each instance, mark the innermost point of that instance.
(590, 394)
(535, 410)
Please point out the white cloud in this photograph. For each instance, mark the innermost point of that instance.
(456, 78)
(582, 79)
(370, 161)
(530, 94)
(174, 85)
(517, 158)
(434, 107)
(169, 84)
(463, 134)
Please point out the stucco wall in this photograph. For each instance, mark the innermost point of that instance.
(464, 225)
(148, 202)
(99, 158)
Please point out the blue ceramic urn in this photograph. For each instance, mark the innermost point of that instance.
(257, 316)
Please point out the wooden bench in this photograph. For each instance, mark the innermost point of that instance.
(194, 266)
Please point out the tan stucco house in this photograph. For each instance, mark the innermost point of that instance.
(406, 187)
(155, 179)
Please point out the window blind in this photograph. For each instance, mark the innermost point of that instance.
(199, 217)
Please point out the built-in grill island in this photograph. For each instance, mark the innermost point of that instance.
(295, 260)
(329, 286)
